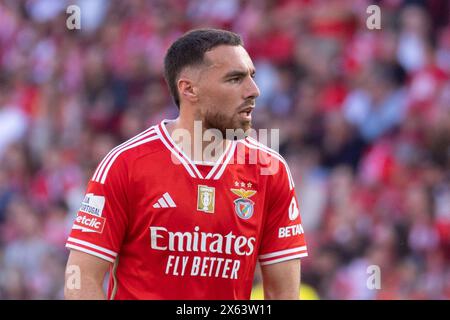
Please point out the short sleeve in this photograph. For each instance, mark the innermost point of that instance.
(101, 221)
(283, 234)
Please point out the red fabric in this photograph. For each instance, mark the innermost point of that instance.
(133, 210)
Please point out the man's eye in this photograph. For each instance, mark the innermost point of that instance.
(234, 80)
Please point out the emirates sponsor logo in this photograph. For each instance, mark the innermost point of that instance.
(197, 241)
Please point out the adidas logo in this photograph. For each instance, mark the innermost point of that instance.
(165, 202)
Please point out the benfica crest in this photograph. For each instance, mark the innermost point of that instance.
(243, 206)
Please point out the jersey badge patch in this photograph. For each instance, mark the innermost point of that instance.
(206, 198)
(243, 206)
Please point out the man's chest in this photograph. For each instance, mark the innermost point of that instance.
(184, 226)
(177, 203)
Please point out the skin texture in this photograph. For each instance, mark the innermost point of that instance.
(281, 281)
(92, 273)
(215, 93)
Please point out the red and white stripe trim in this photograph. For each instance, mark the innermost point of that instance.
(177, 152)
(253, 144)
(189, 165)
(102, 170)
(283, 255)
(229, 152)
(92, 249)
(134, 145)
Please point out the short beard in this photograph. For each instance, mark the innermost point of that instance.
(222, 123)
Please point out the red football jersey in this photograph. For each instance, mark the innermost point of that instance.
(173, 229)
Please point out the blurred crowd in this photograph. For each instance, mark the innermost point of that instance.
(364, 119)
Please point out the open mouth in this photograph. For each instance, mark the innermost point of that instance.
(246, 112)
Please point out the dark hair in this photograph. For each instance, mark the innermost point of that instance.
(189, 50)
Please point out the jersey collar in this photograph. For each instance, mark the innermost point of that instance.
(217, 169)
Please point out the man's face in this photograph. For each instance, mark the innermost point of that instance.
(226, 89)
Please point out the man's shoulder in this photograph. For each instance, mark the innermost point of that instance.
(142, 144)
(267, 160)
(260, 154)
(118, 158)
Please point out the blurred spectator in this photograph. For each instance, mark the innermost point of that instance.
(380, 105)
(13, 121)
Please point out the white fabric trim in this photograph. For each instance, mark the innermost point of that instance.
(282, 252)
(219, 162)
(94, 253)
(301, 255)
(105, 174)
(183, 162)
(105, 160)
(191, 165)
(227, 160)
(93, 246)
(177, 148)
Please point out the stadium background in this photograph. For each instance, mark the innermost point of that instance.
(364, 118)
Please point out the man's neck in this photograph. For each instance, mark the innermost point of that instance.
(189, 133)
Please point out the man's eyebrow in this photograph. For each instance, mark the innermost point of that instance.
(238, 73)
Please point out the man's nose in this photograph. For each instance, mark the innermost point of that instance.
(252, 90)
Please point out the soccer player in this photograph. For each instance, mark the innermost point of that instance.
(167, 226)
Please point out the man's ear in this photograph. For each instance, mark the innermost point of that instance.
(187, 90)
